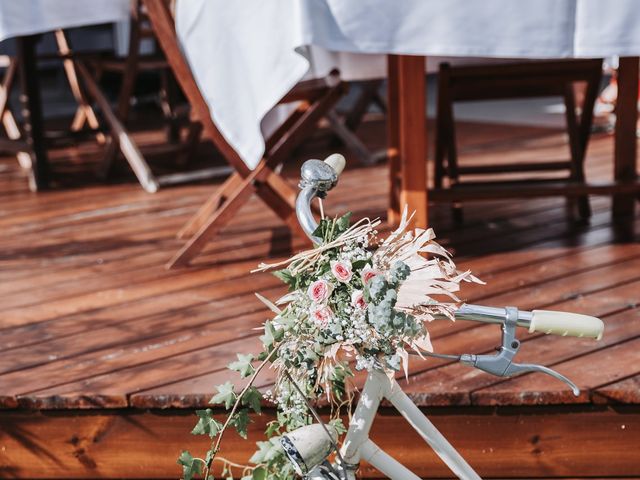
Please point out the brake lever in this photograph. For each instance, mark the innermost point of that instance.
(516, 368)
(502, 365)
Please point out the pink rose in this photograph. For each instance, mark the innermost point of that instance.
(321, 316)
(319, 291)
(341, 270)
(368, 273)
(357, 300)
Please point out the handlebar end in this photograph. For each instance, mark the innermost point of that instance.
(337, 162)
(564, 323)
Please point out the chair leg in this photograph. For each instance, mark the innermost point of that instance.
(127, 145)
(8, 120)
(350, 139)
(441, 134)
(84, 113)
(577, 152)
(368, 95)
(130, 73)
(209, 208)
(167, 105)
(237, 197)
(274, 191)
(191, 143)
(447, 139)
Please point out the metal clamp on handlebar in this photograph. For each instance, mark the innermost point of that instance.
(501, 364)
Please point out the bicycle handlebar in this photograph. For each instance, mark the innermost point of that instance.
(318, 177)
(545, 321)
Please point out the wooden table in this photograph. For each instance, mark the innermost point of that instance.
(408, 145)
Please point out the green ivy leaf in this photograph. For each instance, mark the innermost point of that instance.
(241, 422)
(272, 428)
(243, 365)
(259, 473)
(252, 397)
(207, 425)
(267, 451)
(190, 466)
(225, 395)
(259, 456)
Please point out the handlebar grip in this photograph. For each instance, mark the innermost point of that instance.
(337, 162)
(565, 323)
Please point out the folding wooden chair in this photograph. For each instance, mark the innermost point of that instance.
(517, 80)
(119, 140)
(84, 113)
(315, 97)
(13, 142)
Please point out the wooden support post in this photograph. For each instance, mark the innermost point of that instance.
(407, 136)
(625, 134)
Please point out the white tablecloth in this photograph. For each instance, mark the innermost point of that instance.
(26, 17)
(245, 55)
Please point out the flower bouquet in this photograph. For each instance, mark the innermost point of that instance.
(355, 302)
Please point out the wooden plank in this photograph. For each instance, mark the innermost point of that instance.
(112, 390)
(115, 335)
(589, 371)
(457, 384)
(623, 391)
(129, 343)
(499, 444)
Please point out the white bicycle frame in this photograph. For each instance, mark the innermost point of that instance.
(319, 177)
(358, 446)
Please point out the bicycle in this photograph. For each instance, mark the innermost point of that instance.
(309, 447)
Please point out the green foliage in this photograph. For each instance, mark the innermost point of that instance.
(243, 365)
(330, 229)
(241, 422)
(252, 398)
(267, 451)
(207, 425)
(285, 276)
(225, 395)
(338, 424)
(271, 335)
(190, 466)
(305, 342)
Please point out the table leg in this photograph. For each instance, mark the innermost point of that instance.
(625, 156)
(32, 111)
(407, 137)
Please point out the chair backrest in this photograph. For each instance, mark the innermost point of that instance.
(518, 80)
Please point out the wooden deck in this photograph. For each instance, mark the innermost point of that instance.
(104, 354)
